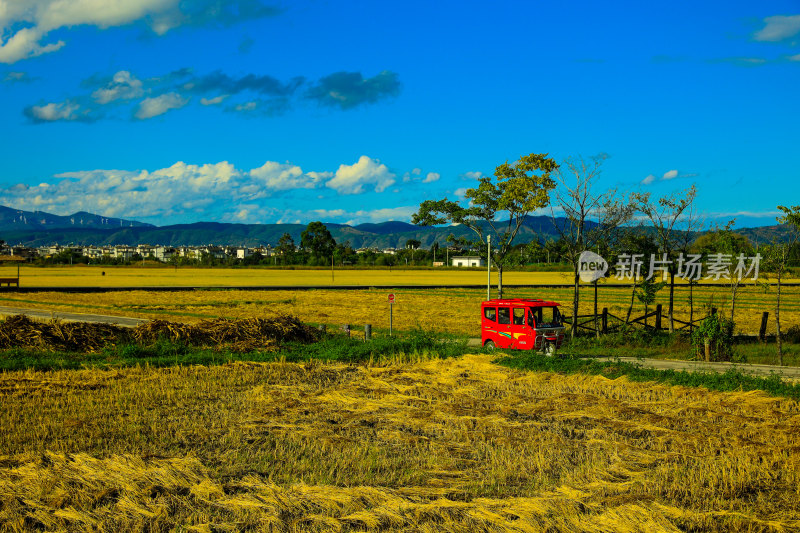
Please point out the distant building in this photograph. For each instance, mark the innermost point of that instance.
(468, 261)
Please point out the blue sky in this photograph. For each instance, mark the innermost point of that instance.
(173, 111)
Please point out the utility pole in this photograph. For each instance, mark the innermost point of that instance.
(488, 267)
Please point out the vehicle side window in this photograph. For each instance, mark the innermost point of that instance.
(504, 315)
(551, 317)
(519, 316)
(536, 314)
(490, 313)
(531, 318)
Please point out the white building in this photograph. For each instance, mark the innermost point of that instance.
(468, 261)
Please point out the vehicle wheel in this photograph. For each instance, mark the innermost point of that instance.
(550, 349)
(489, 346)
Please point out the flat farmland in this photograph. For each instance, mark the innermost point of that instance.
(147, 276)
(459, 445)
(452, 310)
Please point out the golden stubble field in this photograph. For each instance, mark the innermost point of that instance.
(439, 445)
(450, 310)
(151, 276)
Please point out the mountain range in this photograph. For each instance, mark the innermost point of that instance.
(38, 228)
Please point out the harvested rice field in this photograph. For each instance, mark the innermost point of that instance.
(164, 276)
(160, 276)
(448, 310)
(433, 445)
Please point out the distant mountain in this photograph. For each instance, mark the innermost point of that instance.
(40, 229)
(385, 228)
(19, 220)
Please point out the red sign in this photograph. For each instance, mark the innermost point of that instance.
(391, 298)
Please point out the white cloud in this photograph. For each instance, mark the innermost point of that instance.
(752, 214)
(352, 179)
(473, 175)
(285, 176)
(344, 216)
(247, 106)
(214, 101)
(217, 191)
(152, 107)
(23, 44)
(55, 111)
(165, 192)
(123, 86)
(431, 177)
(794, 58)
(40, 17)
(670, 174)
(461, 193)
(778, 28)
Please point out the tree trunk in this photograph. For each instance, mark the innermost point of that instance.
(691, 307)
(778, 323)
(596, 329)
(671, 299)
(734, 287)
(630, 307)
(573, 330)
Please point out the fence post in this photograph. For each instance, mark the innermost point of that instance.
(346, 329)
(605, 320)
(658, 317)
(762, 332)
(713, 310)
(707, 346)
(322, 328)
(367, 332)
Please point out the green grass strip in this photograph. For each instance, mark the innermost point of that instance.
(732, 380)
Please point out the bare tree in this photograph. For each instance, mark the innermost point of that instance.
(777, 262)
(665, 216)
(577, 178)
(690, 224)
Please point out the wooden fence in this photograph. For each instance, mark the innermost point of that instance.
(605, 322)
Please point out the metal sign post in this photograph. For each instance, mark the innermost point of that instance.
(391, 305)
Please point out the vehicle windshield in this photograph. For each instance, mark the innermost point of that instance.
(544, 317)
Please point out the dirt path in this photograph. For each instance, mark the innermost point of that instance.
(791, 372)
(72, 317)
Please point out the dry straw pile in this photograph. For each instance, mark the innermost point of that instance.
(245, 334)
(453, 445)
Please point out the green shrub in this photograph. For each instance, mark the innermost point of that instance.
(792, 334)
(717, 331)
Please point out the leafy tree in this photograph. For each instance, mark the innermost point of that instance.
(344, 253)
(286, 248)
(646, 293)
(580, 203)
(318, 241)
(516, 190)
